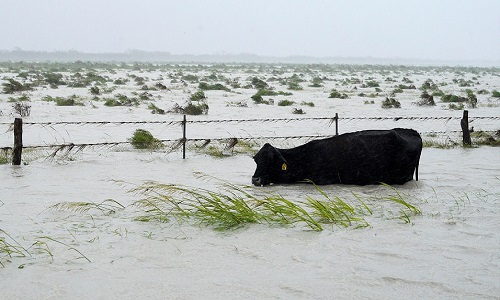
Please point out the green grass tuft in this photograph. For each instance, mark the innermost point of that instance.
(235, 206)
(143, 139)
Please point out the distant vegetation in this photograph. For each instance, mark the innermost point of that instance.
(336, 94)
(12, 86)
(164, 89)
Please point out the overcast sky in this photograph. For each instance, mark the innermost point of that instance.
(422, 29)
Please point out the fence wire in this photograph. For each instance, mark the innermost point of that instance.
(77, 147)
(331, 119)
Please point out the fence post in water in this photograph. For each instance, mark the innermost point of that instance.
(184, 137)
(336, 124)
(18, 141)
(465, 128)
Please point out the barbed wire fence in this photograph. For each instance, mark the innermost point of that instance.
(179, 138)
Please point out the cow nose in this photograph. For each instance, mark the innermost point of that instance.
(256, 181)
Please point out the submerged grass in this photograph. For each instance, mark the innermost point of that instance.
(108, 206)
(10, 248)
(234, 206)
(406, 209)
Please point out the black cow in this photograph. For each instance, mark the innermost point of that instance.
(363, 157)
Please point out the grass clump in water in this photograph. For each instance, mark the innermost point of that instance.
(234, 206)
(5, 156)
(143, 139)
(338, 211)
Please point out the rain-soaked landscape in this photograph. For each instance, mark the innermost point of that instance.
(97, 209)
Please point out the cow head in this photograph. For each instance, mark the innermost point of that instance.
(270, 166)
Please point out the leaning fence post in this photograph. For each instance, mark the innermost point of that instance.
(336, 124)
(18, 141)
(465, 128)
(184, 137)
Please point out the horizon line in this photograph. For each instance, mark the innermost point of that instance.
(261, 58)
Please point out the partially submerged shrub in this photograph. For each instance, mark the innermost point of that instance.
(406, 87)
(145, 96)
(155, 109)
(259, 84)
(429, 85)
(453, 98)
(70, 101)
(471, 99)
(23, 98)
(4, 157)
(316, 82)
(258, 99)
(198, 96)
(215, 87)
(61, 101)
(196, 109)
(285, 102)
(336, 94)
(453, 106)
(143, 139)
(426, 100)
(121, 100)
(12, 86)
(294, 86)
(484, 138)
(391, 103)
(94, 90)
(160, 86)
(112, 102)
(84, 80)
(53, 79)
(23, 109)
(190, 78)
(120, 81)
(371, 83)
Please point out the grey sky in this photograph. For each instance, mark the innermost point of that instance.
(422, 29)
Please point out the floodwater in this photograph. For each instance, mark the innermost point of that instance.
(450, 251)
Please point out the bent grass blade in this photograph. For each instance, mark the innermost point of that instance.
(408, 208)
(108, 206)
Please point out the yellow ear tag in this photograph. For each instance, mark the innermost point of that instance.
(283, 167)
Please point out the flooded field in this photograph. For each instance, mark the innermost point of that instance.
(449, 249)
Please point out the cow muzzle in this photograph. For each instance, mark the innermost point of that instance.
(257, 181)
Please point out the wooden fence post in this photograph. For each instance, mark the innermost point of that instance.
(184, 137)
(465, 128)
(18, 141)
(336, 124)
